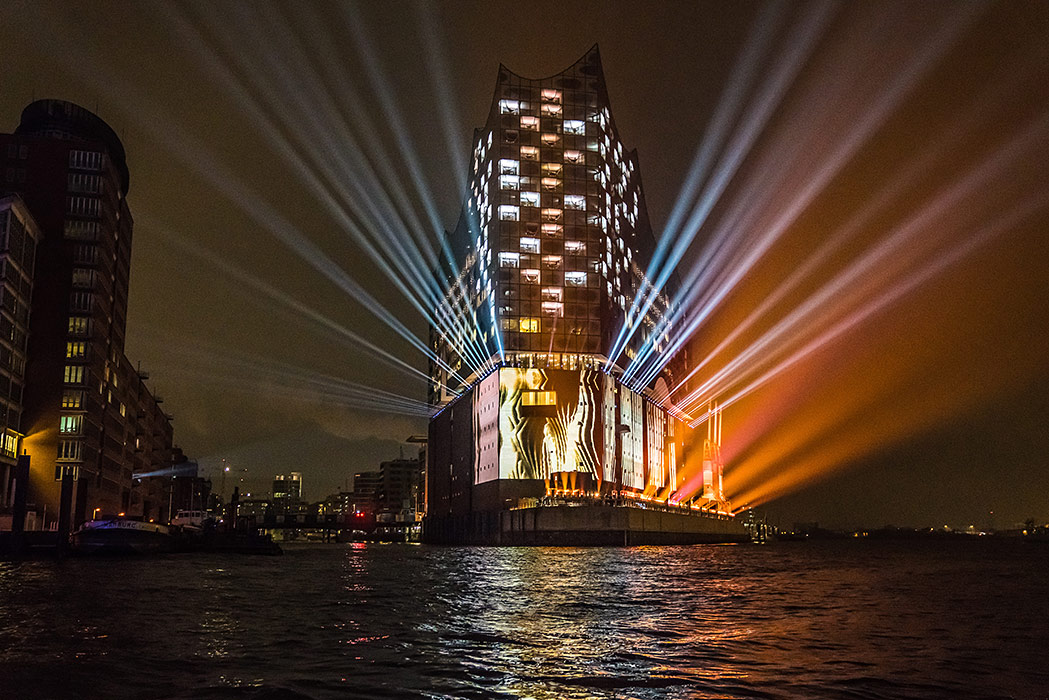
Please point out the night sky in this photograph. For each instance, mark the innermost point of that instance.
(212, 195)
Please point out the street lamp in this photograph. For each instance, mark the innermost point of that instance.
(621, 430)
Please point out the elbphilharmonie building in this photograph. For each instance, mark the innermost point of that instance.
(548, 257)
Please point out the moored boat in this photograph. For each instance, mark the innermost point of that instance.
(121, 536)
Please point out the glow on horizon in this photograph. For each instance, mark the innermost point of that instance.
(758, 477)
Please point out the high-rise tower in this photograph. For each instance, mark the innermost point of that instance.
(553, 237)
(549, 254)
(18, 240)
(89, 421)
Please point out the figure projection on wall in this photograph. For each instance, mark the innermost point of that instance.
(548, 425)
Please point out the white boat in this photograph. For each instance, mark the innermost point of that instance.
(190, 520)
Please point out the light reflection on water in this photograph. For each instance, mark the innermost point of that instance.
(864, 620)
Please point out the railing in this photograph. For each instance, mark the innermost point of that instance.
(644, 503)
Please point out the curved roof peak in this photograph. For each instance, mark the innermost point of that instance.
(62, 119)
(589, 64)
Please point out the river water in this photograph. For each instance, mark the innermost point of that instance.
(845, 619)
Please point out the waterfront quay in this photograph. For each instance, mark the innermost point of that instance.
(585, 522)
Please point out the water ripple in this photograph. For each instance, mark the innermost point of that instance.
(842, 620)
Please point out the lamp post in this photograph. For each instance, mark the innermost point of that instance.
(621, 430)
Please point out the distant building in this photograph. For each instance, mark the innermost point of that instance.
(366, 488)
(287, 488)
(190, 491)
(18, 240)
(89, 420)
(397, 487)
(400, 486)
(254, 508)
(341, 503)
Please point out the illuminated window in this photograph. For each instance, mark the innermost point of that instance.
(538, 398)
(575, 247)
(75, 350)
(9, 444)
(509, 107)
(74, 374)
(552, 214)
(550, 139)
(575, 126)
(529, 199)
(508, 212)
(509, 182)
(573, 157)
(552, 293)
(530, 123)
(79, 325)
(550, 183)
(72, 399)
(70, 424)
(529, 152)
(528, 325)
(553, 308)
(575, 201)
(509, 259)
(529, 245)
(575, 279)
(552, 110)
(508, 167)
(530, 276)
(552, 168)
(552, 262)
(552, 230)
(550, 95)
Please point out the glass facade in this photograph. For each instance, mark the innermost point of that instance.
(554, 233)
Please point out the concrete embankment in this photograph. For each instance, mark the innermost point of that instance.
(585, 525)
